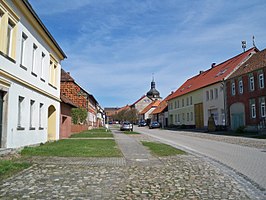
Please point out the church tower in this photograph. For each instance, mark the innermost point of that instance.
(153, 93)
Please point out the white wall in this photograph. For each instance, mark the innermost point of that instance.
(29, 86)
(214, 105)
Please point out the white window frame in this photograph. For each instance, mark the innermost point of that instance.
(251, 83)
(22, 50)
(10, 28)
(263, 109)
(240, 87)
(216, 93)
(40, 115)
(261, 81)
(253, 110)
(32, 104)
(211, 94)
(20, 110)
(191, 116)
(42, 66)
(33, 64)
(207, 96)
(233, 88)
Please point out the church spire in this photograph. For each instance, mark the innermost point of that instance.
(153, 93)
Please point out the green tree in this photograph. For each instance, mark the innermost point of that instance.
(79, 115)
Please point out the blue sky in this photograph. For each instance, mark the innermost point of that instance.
(114, 46)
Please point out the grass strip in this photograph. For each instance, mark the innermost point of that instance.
(90, 134)
(10, 167)
(131, 132)
(160, 149)
(75, 148)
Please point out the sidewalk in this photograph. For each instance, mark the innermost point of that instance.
(133, 151)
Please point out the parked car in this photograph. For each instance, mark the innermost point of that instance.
(126, 126)
(154, 124)
(142, 123)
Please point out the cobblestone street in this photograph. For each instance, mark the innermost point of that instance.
(180, 177)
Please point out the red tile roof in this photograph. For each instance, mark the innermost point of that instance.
(138, 100)
(148, 107)
(65, 76)
(160, 108)
(65, 100)
(123, 108)
(212, 75)
(257, 61)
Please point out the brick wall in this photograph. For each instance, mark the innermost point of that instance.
(71, 91)
(246, 96)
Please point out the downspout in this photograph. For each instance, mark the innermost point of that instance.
(225, 103)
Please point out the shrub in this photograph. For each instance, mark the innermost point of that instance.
(79, 115)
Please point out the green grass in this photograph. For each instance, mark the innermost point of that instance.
(92, 134)
(10, 167)
(130, 132)
(160, 149)
(75, 148)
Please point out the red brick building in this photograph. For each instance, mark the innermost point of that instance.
(246, 94)
(65, 119)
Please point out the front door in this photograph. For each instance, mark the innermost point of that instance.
(237, 120)
(1, 115)
(199, 118)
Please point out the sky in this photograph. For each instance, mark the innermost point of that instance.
(114, 47)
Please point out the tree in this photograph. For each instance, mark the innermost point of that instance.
(126, 115)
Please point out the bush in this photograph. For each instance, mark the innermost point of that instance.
(79, 115)
(240, 129)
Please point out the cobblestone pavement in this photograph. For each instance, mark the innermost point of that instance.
(180, 177)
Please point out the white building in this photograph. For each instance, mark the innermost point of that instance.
(29, 77)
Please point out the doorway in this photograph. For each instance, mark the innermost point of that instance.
(51, 123)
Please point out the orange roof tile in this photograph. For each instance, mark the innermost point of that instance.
(257, 61)
(148, 107)
(212, 75)
(123, 108)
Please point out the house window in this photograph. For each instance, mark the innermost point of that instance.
(251, 83)
(191, 100)
(20, 110)
(175, 105)
(216, 93)
(22, 50)
(42, 66)
(191, 116)
(175, 118)
(10, 35)
(34, 49)
(183, 116)
(211, 94)
(53, 72)
(252, 108)
(40, 116)
(183, 103)
(187, 116)
(31, 113)
(178, 118)
(187, 101)
(240, 87)
(233, 88)
(261, 81)
(178, 103)
(262, 107)
(207, 96)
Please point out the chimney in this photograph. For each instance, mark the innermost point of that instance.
(68, 73)
(200, 72)
(213, 65)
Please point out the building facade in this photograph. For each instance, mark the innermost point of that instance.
(246, 94)
(30, 64)
(203, 95)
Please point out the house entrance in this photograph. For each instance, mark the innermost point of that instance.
(1, 115)
(199, 118)
(51, 123)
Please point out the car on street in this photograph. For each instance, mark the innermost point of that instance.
(154, 124)
(126, 126)
(142, 123)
